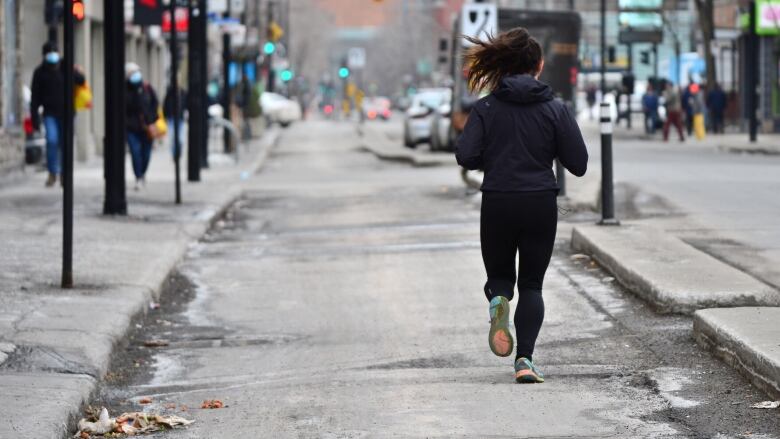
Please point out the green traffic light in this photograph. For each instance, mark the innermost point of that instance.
(269, 48)
(286, 75)
(343, 72)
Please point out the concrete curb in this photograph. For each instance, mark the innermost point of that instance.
(748, 339)
(58, 396)
(670, 274)
(377, 144)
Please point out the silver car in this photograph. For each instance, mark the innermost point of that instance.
(418, 117)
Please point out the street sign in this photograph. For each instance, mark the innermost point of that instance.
(478, 20)
(356, 58)
(768, 17)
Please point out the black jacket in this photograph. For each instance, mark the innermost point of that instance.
(516, 132)
(48, 82)
(140, 106)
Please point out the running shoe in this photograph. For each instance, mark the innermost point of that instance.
(500, 339)
(526, 372)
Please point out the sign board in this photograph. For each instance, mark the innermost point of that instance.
(640, 27)
(637, 5)
(217, 6)
(182, 20)
(147, 12)
(356, 58)
(478, 20)
(768, 17)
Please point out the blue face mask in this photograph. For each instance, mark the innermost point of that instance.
(52, 57)
(136, 77)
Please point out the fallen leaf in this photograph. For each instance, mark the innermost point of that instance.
(145, 400)
(212, 404)
(766, 405)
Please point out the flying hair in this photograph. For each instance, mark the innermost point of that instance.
(514, 52)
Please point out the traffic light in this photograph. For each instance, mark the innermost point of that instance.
(269, 48)
(644, 57)
(344, 72)
(611, 54)
(78, 10)
(628, 83)
(286, 75)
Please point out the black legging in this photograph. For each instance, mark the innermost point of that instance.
(524, 223)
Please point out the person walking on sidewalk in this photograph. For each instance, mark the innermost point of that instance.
(48, 81)
(673, 111)
(514, 134)
(716, 103)
(140, 113)
(650, 108)
(169, 112)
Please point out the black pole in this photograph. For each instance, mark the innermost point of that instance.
(603, 36)
(204, 74)
(607, 188)
(196, 83)
(175, 90)
(630, 92)
(67, 154)
(751, 68)
(655, 61)
(115, 201)
(227, 97)
(269, 86)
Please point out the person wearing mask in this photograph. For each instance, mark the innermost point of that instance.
(514, 134)
(169, 112)
(650, 108)
(716, 103)
(673, 111)
(48, 81)
(140, 115)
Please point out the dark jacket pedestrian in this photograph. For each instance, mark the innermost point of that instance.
(650, 108)
(673, 111)
(48, 82)
(514, 134)
(716, 104)
(141, 106)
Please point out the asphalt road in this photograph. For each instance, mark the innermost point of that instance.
(342, 298)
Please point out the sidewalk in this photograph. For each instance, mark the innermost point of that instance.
(55, 344)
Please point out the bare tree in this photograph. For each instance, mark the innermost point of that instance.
(705, 10)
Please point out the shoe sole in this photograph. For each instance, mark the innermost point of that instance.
(500, 339)
(527, 377)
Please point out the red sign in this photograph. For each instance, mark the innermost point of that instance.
(182, 20)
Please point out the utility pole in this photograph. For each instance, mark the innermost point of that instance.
(67, 154)
(269, 87)
(175, 90)
(603, 37)
(630, 91)
(115, 201)
(226, 92)
(751, 87)
(197, 143)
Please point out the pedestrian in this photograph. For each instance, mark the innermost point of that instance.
(687, 109)
(716, 104)
(48, 81)
(590, 97)
(673, 111)
(169, 112)
(140, 116)
(697, 107)
(650, 108)
(514, 134)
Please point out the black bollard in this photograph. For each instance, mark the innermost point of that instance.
(607, 186)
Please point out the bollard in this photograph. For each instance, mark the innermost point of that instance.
(607, 187)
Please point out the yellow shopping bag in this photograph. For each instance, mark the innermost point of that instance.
(698, 126)
(162, 125)
(82, 97)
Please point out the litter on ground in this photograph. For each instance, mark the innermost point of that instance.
(766, 405)
(130, 424)
(212, 404)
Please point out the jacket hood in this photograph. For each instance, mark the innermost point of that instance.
(523, 89)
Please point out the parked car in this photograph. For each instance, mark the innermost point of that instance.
(377, 108)
(441, 122)
(417, 119)
(279, 109)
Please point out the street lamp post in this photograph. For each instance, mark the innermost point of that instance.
(227, 94)
(67, 155)
(115, 202)
(175, 91)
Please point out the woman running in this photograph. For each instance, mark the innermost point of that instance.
(514, 134)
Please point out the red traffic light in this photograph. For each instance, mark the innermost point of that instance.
(78, 10)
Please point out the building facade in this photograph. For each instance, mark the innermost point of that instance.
(11, 95)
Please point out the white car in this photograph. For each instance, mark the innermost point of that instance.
(417, 118)
(441, 139)
(278, 108)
